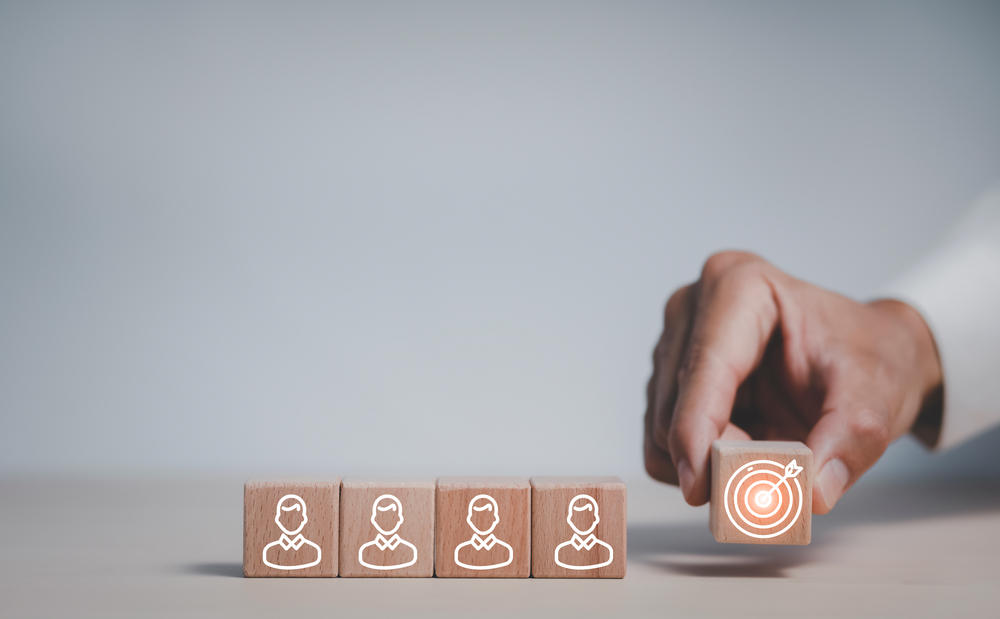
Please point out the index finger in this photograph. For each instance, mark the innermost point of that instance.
(735, 317)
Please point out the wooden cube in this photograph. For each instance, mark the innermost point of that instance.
(387, 526)
(291, 526)
(483, 527)
(761, 492)
(578, 527)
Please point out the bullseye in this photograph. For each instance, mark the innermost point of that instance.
(763, 499)
(749, 497)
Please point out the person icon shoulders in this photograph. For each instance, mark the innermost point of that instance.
(388, 551)
(484, 551)
(292, 551)
(583, 551)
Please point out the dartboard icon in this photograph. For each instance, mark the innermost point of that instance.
(763, 498)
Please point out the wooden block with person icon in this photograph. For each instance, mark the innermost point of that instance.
(291, 526)
(578, 527)
(483, 527)
(387, 526)
(761, 492)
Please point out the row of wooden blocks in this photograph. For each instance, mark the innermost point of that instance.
(451, 527)
(504, 527)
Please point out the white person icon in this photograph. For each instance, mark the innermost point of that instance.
(583, 551)
(484, 551)
(388, 551)
(291, 553)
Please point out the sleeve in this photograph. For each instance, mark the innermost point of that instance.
(957, 291)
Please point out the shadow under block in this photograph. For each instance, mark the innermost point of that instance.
(758, 495)
(578, 527)
(387, 526)
(483, 527)
(291, 526)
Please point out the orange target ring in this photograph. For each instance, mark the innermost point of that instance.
(762, 500)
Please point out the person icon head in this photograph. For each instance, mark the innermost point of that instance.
(582, 514)
(387, 514)
(483, 514)
(290, 514)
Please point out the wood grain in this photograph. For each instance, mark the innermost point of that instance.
(361, 540)
(512, 496)
(320, 532)
(552, 536)
(760, 465)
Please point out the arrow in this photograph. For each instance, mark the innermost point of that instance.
(792, 469)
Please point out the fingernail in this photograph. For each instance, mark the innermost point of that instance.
(832, 481)
(686, 476)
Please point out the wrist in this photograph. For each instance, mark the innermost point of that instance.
(924, 419)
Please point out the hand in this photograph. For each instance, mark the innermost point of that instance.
(748, 352)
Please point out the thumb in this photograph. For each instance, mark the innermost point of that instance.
(849, 438)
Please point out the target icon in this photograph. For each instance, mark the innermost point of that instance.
(759, 499)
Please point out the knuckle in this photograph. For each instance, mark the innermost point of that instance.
(676, 304)
(698, 358)
(720, 263)
(871, 429)
(745, 276)
(690, 363)
(716, 265)
(739, 281)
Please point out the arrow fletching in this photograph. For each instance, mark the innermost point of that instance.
(792, 469)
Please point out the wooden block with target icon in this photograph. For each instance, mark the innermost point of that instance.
(761, 492)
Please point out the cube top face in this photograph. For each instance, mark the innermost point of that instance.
(291, 526)
(483, 527)
(567, 481)
(387, 526)
(578, 527)
(295, 479)
(389, 481)
(761, 492)
(455, 482)
(735, 447)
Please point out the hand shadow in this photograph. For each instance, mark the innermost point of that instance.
(690, 549)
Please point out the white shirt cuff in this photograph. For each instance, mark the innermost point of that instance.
(957, 291)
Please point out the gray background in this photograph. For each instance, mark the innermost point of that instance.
(437, 237)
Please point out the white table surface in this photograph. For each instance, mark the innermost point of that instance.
(172, 548)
